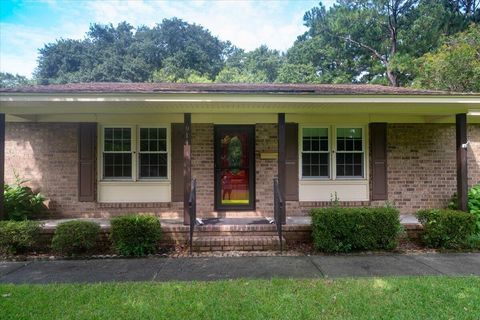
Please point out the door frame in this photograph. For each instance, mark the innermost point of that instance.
(252, 168)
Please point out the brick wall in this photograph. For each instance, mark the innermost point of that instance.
(46, 155)
(266, 169)
(421, 168)
(422, 164)
(203, 166)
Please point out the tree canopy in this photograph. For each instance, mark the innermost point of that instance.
(390, 42)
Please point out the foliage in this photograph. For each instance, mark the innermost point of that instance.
(261, 65)
(375, 41)
(73, 237)
(473, 242)
(21, 203)
(336, 229)
(17, 236)
(8, 80)
(473, 204)
(135, 235)
(427, 297)
(354, 41)
(297, 73)
(454, 66)
(445, 228)
(125, 54)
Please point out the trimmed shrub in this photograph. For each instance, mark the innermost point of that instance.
(18, 236)
(336, 229)
(73, 237)
(135, 235)
(445, 228)
(473, 204)
(21, 203)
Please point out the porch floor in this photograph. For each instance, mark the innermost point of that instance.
(302, 220)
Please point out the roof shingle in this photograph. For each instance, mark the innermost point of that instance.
(313, 89)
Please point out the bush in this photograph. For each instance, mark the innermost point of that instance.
(75, 237)
(473, 204)
(445, 228)
(21, 202)
(336, 229)
(135, 235)
(18, 236)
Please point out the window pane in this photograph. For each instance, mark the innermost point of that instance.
(153, 165)
(117, 133)
(162, 145)
(126, 134)
(315, 171)
(153, 139)
(349, 164)
(152, 145)
(307, 145)
(153, 134)
(315, 165)
(349, 139)
(108, 133)
(162, 133)
(117, 139)
(117, 165)
(315, 139)
(349, 133)
(108, 145)
(306, 171)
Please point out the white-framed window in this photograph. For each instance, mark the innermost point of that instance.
(315, 153)
(350, 152)
(153, 153)
(117, 153)
(332, 152)
(134, 153)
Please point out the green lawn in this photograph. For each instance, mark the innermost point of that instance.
(364, 298)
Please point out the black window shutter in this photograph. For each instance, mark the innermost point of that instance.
(87, 142)
(177, 161)
(291, 161)
(378, 138)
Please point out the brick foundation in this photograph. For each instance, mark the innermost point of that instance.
(421, 168)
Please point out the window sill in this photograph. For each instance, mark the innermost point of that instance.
(329, 181)
(135, 183)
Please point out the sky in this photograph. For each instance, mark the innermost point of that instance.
(27, 25)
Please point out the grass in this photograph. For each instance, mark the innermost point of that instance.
(361, 298)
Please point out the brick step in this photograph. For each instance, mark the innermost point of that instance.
(236, 243)
(231, 214)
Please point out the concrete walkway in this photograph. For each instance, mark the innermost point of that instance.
(166, 269)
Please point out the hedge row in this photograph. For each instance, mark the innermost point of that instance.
(131, 235)
(336, 229)
(445, 228)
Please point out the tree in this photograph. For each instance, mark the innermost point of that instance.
(375, 41)
(257, 66)
(8, 80)
(369, 28)
(297, 73)
(455, 66)
(126, 54)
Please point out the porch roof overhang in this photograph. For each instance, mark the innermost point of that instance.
(333, 100)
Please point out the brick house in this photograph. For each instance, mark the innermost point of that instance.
(103, 149)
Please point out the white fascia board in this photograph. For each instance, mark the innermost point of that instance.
(241, 98)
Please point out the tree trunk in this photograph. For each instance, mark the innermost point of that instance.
(392, 77)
